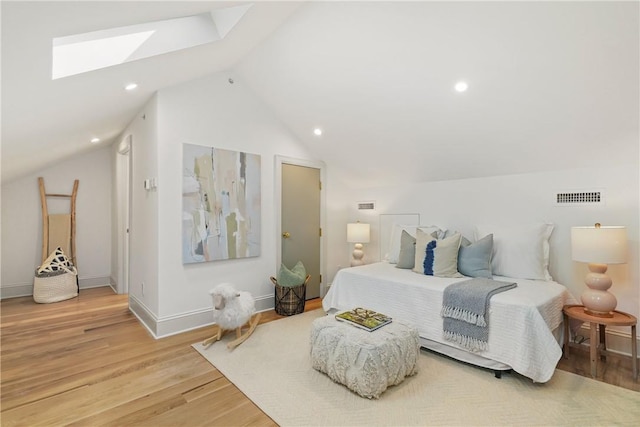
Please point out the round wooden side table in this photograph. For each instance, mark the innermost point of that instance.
(597, 345)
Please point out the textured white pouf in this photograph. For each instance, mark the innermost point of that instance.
(366, 362)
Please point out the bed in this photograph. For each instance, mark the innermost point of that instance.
(525, 326)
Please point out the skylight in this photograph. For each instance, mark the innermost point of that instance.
(100, 49)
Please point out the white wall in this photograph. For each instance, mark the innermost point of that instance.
(213, 112)
(143, 255)
(210, 112)
(526, 198)
(339, 199)
(22, 221)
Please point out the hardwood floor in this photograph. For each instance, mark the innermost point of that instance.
(615, 370)
(89, 362)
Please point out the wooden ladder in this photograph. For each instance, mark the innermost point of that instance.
(45, 219)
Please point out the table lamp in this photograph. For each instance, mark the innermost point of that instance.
(357, 233)
(599, 246)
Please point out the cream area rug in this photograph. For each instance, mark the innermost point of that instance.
(272, 368)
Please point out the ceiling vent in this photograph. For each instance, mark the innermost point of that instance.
(366, 206)
(579, 198)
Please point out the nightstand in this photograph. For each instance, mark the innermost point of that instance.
(597, 344)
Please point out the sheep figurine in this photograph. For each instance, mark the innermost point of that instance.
(232, 309)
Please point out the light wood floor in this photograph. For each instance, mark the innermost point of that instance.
(89, 362)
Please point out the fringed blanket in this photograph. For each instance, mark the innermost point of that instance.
(465, 311)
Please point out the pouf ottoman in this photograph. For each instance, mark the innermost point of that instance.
(365, 362)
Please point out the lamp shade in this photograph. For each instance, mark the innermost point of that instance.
(358, 232)
(599, 244)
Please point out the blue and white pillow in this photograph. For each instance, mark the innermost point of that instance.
(437, 257)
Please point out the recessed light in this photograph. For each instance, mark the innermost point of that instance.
(461, 86)
(95, 140)
(317, 131)
(131, 86)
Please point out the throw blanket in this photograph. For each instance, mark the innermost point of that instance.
(60, 232)
(465, 311)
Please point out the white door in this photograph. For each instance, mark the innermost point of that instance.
(300, 222)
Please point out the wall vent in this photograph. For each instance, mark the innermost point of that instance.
(573, 198)
(366, 206)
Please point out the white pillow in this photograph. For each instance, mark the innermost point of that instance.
(519, 251)
(396, 234)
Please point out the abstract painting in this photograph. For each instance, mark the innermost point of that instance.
(220, 204)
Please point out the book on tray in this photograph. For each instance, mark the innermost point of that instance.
(368, 320)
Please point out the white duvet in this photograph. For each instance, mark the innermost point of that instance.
(520, 320)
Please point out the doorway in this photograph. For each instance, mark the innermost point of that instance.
(123, 194)
(301, 219)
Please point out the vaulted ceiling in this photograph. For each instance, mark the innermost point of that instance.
(60, 117)
(552, 85)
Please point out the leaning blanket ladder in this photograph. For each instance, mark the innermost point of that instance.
(53, 235)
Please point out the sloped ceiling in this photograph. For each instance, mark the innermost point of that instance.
(46, 120)
(552, 85)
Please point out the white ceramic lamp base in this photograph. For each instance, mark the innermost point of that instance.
(596, 299)
(358, 254)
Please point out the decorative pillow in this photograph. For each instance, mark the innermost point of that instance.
(56, 261)
(396, 236)
(520, 251)
(407, 256)
(463, 242)
(436, 257)
(474, 259)
(293, 277)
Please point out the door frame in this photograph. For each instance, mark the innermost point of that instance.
(279, 161)
(124, 214)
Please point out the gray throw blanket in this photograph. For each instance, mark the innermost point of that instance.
(465, 311)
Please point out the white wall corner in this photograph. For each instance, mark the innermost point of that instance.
(144, 315)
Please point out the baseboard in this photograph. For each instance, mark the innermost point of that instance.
(183, 322)
(617, 341)
(15, 290)
(94, 282)
(144, 315)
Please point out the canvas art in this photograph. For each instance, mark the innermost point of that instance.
(220, 204)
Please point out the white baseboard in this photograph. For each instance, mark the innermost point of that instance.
(183, 322)
(144, 315)
(15, 290)
(617, 341)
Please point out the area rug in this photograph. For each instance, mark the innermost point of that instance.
(272, 368)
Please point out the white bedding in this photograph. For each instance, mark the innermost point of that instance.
(521, 320)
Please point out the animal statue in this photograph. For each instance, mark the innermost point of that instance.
(232, 309)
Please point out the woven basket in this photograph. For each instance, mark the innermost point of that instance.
(55, 287)
(290, 299)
